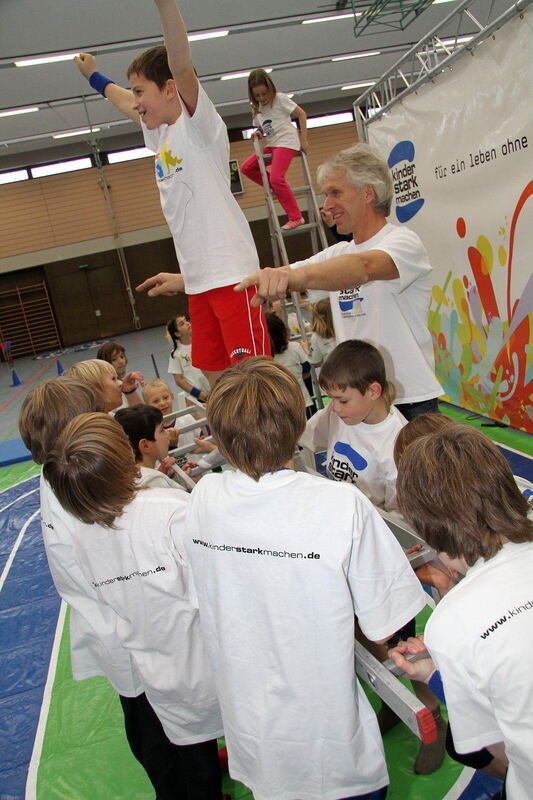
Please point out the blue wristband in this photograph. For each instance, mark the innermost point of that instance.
(435, 684)
(195, 392)
(99, 82)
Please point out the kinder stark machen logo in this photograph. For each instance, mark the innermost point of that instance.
(406, 190)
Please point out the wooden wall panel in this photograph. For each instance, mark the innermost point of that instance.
(64, 209)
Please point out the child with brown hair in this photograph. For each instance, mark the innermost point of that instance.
(322, 340)
(95, 647)
(127, 545)
(271, 114)
(149, 441)
(277, 594)
(115, 354)
(213, 241)
(458, 492)
(358, 428)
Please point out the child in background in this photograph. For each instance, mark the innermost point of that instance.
(291, 355)
(115, 354)
(186, 377)
(149, 441)
(121, 531)
(277, 594)
(157, 393)
(322, 340)
(271, 112)
(95, 647)
(359, 427)
(458, 492)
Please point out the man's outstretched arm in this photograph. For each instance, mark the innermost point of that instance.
(120, 97)
(331, 275)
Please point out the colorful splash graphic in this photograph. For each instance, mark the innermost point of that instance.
(166, 163)
(484, 353)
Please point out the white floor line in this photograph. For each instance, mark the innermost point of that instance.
(20, 497)
(513, 450)
(460, 784)
(19, 483)
(13, 553)
(31, 781)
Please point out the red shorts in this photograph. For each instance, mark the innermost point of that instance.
(226, 328)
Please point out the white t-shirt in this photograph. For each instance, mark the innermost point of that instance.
(278, 567)
(481, 638)
(95, 646)
(154, 479)
(361, 454)
(275, 123)
(319, 348)
(138, 571)
(391, 314)
(293, 358)
(180, 363)
(213, 241)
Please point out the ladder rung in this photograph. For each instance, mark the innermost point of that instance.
(309, 226)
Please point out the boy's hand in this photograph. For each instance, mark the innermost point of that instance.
(86, 64)
(166, 466)
(271, 283)
(202, 446)
(168, 283)
(421, 670)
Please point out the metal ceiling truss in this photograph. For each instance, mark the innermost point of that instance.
(382, 16)
(428, 58)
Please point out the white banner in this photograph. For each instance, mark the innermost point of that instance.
(461, 155)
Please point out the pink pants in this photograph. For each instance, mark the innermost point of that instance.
(281, 159)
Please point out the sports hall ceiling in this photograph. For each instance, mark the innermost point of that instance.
(267, 34)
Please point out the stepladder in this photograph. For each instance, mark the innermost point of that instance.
(313, 228)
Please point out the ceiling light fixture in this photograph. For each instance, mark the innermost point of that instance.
(329, 19)
(232, 75)
(31, 62)
(75, 133)
(19, 111)
(198, 37)
(357, 55)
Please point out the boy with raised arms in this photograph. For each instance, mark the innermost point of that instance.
(213, 241)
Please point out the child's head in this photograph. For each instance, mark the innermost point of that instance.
(101, 375)
(153, 65)
(176, 328)
(322, 319)
(458, 492)
(154, 89)
(257, 414)
(278, 332)
(144, 428)
(157, 393)
(353, 375)
(47, 409)
(261, 89)
(417, 427)
(115, 354)
(91, 469)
